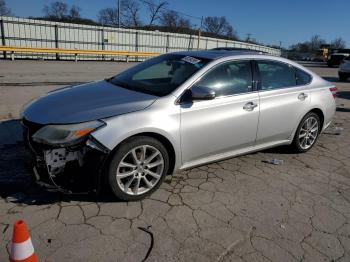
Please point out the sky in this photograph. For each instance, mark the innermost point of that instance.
(268, 21)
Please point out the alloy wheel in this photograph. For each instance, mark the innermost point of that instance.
(140, 170)
(308, 132)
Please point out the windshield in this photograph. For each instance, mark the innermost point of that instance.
(160, 75)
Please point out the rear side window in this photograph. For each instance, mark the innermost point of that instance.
(229, 78)
(302, 77)
(275, 75)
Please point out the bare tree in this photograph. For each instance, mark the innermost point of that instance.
(74, 12)
(3, 8)
(231, 33)
(316, 42)
(154, 10)
(338, 43)
(57, 10)
(309, 46)
(173, 20)
(131, 13)
(108, 16)
(219, 26)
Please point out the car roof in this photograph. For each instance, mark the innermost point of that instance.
(222, 54)
(216, 54)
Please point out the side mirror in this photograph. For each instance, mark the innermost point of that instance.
(202, 93)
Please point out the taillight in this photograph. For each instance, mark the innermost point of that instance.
(334, 91)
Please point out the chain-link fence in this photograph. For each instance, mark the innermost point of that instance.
(44, 34)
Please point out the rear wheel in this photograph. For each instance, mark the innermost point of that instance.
(307, 133)
(138, 168)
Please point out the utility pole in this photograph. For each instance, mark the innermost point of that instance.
(199, 33)
(248, 37)
(118, 13)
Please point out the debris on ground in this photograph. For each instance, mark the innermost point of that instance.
(152, 241)
(6, 226)
(335, 130)
(17, 197)
(338, 130)
(274, 161)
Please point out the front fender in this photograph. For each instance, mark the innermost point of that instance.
(164, 122)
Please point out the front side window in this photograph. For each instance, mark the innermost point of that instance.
(274, 75)
(229, 78)
(160, 75)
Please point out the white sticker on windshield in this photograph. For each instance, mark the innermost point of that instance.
(190, 59)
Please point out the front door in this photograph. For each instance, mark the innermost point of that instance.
(226, 124)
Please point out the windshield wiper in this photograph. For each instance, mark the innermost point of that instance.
(109, 79)
(120, 84)
(115, 82)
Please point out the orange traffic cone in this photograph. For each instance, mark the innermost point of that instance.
(22, 249)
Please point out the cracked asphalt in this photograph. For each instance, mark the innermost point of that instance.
(240, 209)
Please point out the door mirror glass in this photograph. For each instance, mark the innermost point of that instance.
(202, 93)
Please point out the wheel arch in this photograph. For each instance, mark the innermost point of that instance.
(317, 111)
(161, 138)
(320, 114)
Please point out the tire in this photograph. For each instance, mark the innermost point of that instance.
(298, 141)
(132, 173)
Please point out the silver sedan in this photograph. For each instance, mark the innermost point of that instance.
(173, 112)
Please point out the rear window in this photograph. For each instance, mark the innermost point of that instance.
(275, 75)
(302, 77)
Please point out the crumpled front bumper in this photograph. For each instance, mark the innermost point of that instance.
(74, 169)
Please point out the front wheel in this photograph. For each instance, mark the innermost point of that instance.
(137, 168)
(307, 133)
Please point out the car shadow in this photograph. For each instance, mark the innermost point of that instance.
(333, 79)
(343, 109)
(344, 94)
(17, 182)
(283, 150)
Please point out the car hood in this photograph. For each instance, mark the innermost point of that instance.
(85, 102)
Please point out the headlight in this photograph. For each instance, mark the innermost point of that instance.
(63, 135)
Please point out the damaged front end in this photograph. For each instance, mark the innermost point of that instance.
(66, 157)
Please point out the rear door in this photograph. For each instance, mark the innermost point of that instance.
(284, 98)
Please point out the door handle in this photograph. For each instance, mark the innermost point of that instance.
(302, 96)
(249, 106)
